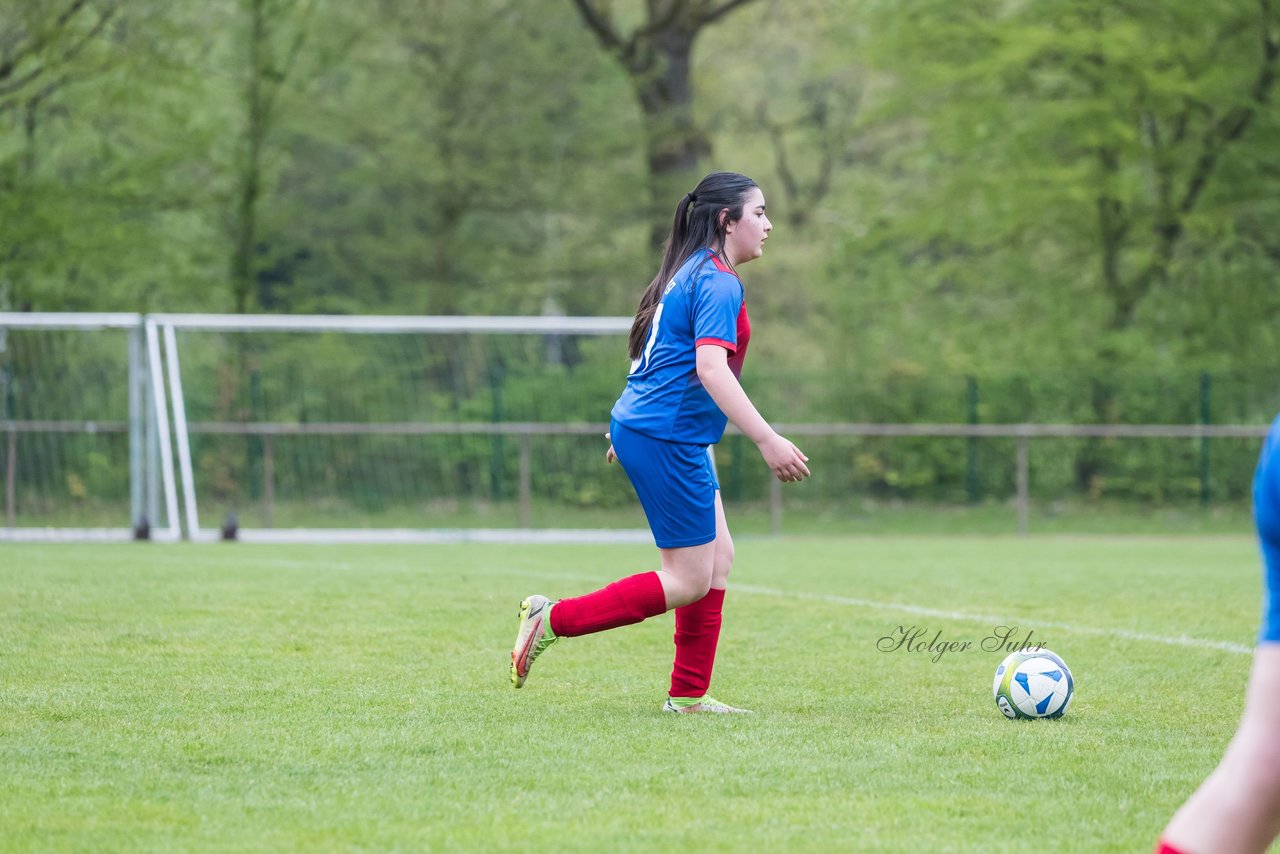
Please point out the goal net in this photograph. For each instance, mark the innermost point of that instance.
(396, 428)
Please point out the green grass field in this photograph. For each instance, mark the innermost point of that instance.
(264, 698)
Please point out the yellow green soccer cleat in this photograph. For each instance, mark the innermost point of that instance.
(706, 705)
(532, 638)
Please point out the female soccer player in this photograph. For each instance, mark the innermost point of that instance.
(1237, 809)
(687, 345)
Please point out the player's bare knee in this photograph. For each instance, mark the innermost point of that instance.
(723, 561)
(689, 590)
(1264, 769)
(1252, 762)
(689, 577)
(704, 582)
(724, 553)
(700, 584)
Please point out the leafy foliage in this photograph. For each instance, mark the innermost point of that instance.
(1049, 197)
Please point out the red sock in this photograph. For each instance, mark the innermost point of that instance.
(697, 631)
(626, 601)
(1166, 848)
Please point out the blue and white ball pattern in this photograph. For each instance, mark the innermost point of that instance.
(1033, 684)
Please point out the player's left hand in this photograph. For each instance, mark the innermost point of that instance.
(609, 455)
(785, 460)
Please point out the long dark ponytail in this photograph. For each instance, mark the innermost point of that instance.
(697, 225)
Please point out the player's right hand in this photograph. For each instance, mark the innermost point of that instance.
(609, 455)
(785, 460)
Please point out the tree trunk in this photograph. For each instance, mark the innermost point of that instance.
(656, 57)
(250, 177)
(675, 143)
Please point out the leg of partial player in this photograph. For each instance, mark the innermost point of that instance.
(1237, 809)
(698, 633)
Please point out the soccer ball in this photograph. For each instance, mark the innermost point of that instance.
(1033, 684)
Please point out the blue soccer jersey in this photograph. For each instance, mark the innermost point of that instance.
(704, 303)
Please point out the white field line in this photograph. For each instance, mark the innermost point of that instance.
(968, 616)
(992, 621)
(876, 605)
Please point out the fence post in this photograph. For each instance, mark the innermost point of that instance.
(775, 506)
(1023, 477)
(526, 477)
(268, 480)
(495, 461)
(10, 478)
(11, 453)
(257, 443)
(971, 444)
(735, 470)
(1206, 418)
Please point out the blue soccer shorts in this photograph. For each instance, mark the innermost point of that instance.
(675, 482)
(1266, 514)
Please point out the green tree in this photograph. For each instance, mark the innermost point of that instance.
(44, 49)
(789, 98)
(446, 160)
(1087, 150)
(103, 184)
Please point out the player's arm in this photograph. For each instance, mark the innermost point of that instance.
(783, 458)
